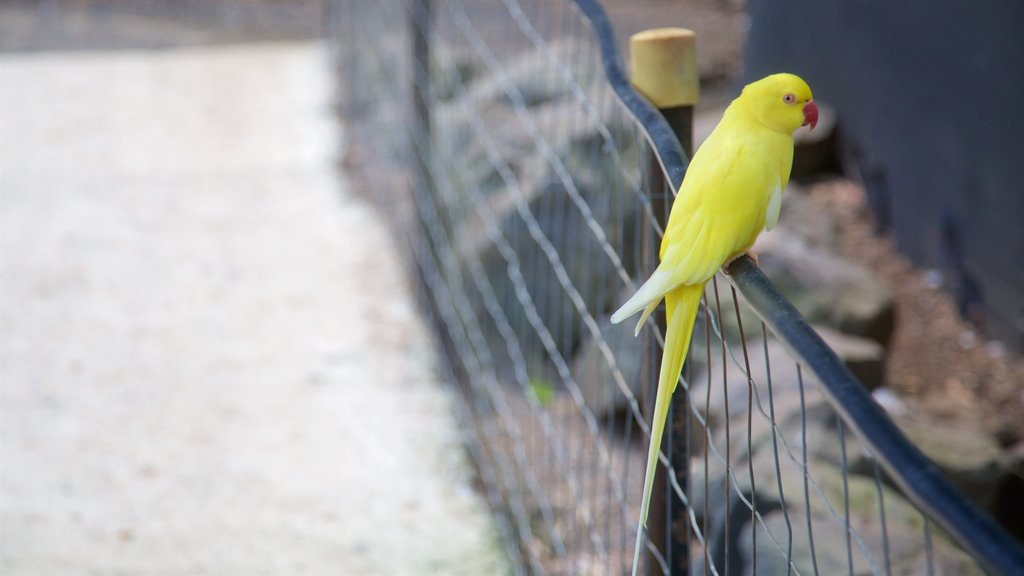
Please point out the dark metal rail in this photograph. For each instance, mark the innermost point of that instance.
(914, 473)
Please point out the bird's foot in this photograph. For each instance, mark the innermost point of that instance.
(751, 253)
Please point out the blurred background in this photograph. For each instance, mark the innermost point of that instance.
(215, 349)
(212, 362)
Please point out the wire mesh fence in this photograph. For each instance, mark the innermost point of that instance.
(536, 205)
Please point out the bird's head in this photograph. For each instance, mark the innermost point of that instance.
(782, 102)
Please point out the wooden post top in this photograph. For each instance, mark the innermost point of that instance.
(663, 62)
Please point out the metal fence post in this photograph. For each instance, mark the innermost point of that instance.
(343, 22)
(664, 69)
(419, 23)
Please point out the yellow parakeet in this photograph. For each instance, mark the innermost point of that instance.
(732, 190)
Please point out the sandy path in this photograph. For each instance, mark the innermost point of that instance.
(211, 362)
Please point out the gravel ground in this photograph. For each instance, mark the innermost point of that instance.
(936, 359)
(210, 359)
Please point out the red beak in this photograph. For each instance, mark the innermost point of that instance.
(810, 114)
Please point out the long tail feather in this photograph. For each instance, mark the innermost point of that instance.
(647, 314)
(681, 310)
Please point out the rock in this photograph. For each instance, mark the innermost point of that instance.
(827, 289)
(904, 525)
(803, 217)
(772, 551)
(452, 67)
(574, 258)
(970, 458)
(890, 401)
(906, 548)
(558, 236)
(783, 379)
(865, 358)
(534, 77)
(598, 380)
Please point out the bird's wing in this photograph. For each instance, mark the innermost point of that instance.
(730, 199)
(721, 207)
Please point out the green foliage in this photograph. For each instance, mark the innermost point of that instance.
(542, 390)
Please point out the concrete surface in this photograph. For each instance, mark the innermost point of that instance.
(211, 362)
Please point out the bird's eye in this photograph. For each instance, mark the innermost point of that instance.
(789, 98)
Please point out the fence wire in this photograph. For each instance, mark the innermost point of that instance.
(535, 215)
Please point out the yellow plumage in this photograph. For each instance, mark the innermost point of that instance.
(732, 190)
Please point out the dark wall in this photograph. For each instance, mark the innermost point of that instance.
(930, 97)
